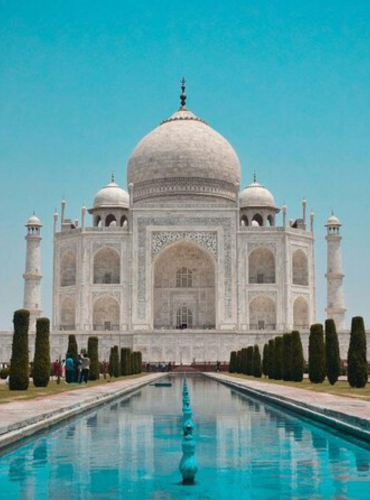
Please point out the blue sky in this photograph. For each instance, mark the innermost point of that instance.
(286, 82)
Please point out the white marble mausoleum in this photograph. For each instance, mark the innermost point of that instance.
(185, 264)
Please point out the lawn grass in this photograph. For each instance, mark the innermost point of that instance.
(341, 388)
(7, 396)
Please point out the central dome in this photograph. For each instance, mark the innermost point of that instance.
(184, 159)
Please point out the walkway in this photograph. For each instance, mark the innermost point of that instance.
(19, 419)
(351, 415)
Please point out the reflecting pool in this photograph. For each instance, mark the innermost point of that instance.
(131, 450)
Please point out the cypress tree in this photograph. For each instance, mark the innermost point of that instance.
(93, 354)
(139, 362)
(126, 361)
(287, 357)
(133, 363)
(72, 349)
(332, 351)
(41, 361)
(239, 362)
(111, 361)
(278, 358)
(357, 362)
(249, 360)
(297, 357)
(265, 362)
(19, 364)
(316, 355)
(232, 363)
(271, 357)
(115, 362)
(244, 360)
(257, 364)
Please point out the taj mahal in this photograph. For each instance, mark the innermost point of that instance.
(185, 265)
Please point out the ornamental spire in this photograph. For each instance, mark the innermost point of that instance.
(183, 96)
(112, 177)
(254, 177)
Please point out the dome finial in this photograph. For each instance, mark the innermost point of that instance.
(112, 177)
(254, 177)
(183, 96)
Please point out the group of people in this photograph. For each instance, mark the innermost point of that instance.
(158, 367)
(74, 371)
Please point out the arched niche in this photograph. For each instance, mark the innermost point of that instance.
(123, 221)
(262, 313)
(301, 314)
(106, 266)
(300, 268)
(106, 315)
(244, 221)
(184, 276)
(110, 220)
(257, 218)
(68, 269)
(261, 266)
(68, 314)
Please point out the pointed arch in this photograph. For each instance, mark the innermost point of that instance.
(262, 313)
(300, 268)
(68, 314)
(106, 266)
(184, 275)
(68, 269)
(261, 266)
(106, 315)
(301, 314)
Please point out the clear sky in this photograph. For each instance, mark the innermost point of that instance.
(287, 82)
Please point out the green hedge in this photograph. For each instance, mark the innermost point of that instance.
(19, 364)
(265, 362)
(271, 356)
(357, 362)
(93, 354)
(41, 362)
(126, 368)
(316, 355)
(297, 357)
(239, 363)
(72, 349)
(233, 362)
(249, 360)
(287, 357)
(257, 363)
(333, 364)
(244, 357)
(278, 358)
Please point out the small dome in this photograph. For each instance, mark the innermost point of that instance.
(34, 221)
(255, 195)
(111, 196)
(333, 221)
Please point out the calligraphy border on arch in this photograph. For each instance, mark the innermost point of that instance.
(216, 222)
(206, 239)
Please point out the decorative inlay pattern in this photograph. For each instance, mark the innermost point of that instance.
(116, 295)
(269, 246)
(206, 239)
(143, 222)
(98, 245)
(269, 295)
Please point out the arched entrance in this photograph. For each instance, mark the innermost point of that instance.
(184, 293)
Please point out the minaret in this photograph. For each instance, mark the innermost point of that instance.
(32, 275)
(335, 299)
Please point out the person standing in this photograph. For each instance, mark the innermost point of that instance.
(70, 371)
(79, 369)
(85, 365)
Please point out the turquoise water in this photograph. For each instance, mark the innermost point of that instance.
(131, 450)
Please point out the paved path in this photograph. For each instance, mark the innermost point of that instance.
(348, 411)
(23, 418)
